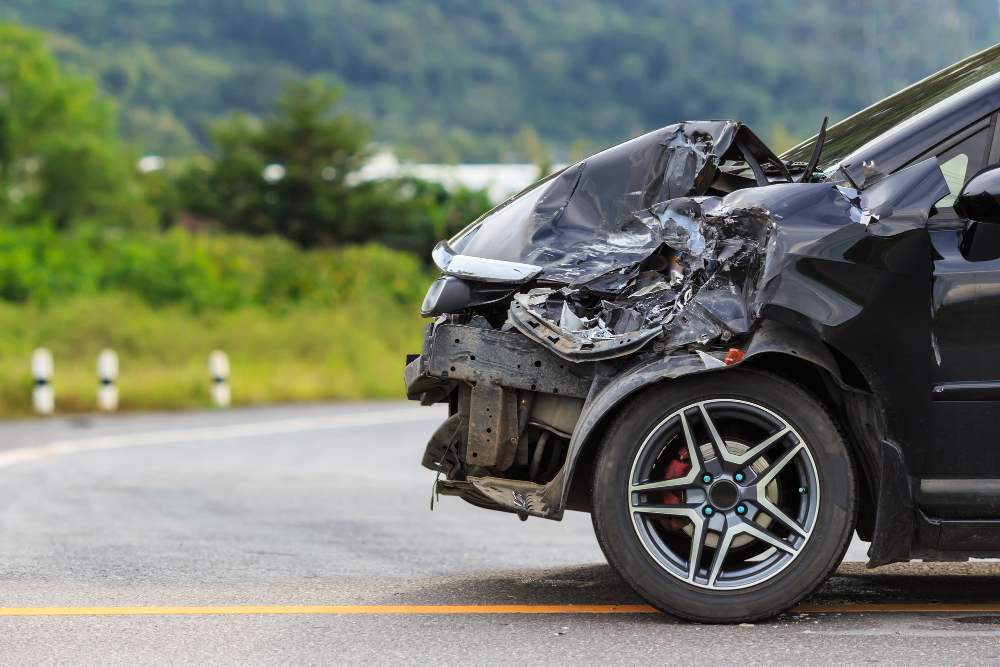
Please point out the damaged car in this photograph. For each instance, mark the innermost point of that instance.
(734, 359)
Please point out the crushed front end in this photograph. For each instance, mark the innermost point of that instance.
(621, 258)
(687, 250)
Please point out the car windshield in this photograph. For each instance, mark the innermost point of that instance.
(850, 134)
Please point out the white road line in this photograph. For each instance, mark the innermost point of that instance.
(22, 454)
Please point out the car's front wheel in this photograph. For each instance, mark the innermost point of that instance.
(724, 497)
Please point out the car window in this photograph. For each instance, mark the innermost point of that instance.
(959, 163)
(954, 173)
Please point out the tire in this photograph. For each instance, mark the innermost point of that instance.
(783, 453)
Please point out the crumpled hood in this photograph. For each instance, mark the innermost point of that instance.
(636, 244)
(579, 221)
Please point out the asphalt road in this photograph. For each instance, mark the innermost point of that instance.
(327, 505)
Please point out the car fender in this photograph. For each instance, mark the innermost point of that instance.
(607, 394)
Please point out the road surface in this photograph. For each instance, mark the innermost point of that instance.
(320, 506)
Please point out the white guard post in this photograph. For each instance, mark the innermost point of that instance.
(218, 369)
(107, 373)
(43, 397)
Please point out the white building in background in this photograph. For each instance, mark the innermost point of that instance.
(148, 163)
(499, 180)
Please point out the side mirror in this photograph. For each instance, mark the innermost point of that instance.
(979, 201)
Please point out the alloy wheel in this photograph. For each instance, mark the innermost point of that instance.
(723, 494)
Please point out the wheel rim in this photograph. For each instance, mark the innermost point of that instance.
(743, 511)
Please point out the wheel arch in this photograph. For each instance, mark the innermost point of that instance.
(828, 374)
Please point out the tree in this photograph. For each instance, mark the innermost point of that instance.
(412, 214)
(60, 159)
(290, 175)
(287, 174)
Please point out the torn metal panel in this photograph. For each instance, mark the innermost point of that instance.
(709, 267)
(493, 428)
(517, 496)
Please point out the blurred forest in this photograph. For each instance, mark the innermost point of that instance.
(452, 80)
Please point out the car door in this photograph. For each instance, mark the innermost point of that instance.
(960, 470)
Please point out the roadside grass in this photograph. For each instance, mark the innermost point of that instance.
(297, 352)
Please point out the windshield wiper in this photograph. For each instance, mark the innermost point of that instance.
(817, 151)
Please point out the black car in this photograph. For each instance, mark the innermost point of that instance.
(734, 359)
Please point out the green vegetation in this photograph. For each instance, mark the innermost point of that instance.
(202, 272)
(298, 325)
(301, 353)
(290, 175)
(60, 158)
(458, 80)
(284, 276)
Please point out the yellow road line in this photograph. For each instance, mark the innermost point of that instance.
(333, 609)
(461, 609)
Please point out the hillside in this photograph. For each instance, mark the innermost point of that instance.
(460, 80)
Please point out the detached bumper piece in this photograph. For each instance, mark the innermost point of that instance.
(500, 427)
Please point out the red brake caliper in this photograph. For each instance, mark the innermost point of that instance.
(676, 469)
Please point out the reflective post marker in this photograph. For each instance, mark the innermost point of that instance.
(218, 369)
(43, 397)
(107, 373)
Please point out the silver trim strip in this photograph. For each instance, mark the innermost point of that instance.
(480, 268)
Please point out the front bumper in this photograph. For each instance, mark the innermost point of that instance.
(453, 353)
(498, 374)
(496, 364)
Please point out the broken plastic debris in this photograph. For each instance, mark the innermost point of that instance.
(695, 290)
(861, 211)
(733, 356)
(710, 361)
(609, 281)
(569, 320)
